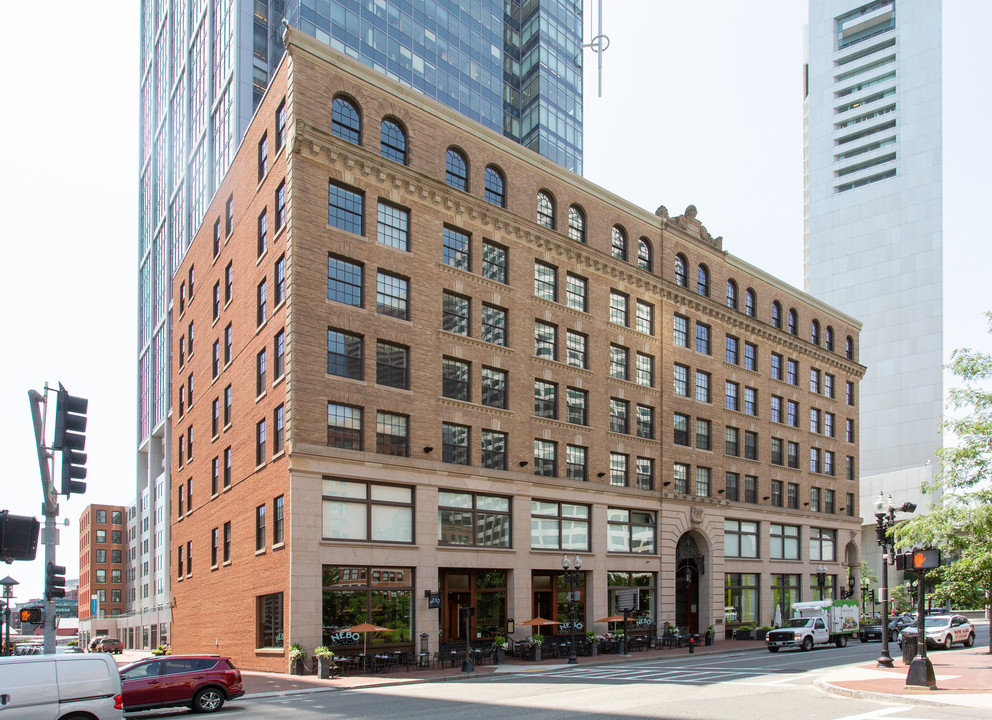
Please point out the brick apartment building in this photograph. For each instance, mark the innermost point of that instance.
(414, 359)
(102, 564)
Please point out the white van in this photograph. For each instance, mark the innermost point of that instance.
(52, 687)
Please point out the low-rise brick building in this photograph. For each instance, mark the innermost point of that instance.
(415, 364)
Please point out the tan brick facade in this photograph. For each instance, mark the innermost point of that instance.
(219, 607)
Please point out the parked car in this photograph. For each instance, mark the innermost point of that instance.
(871, 631)
(906, 619)
(201, 682)
(96, 641)
(944, 631)
(110, 645)
(61, 687)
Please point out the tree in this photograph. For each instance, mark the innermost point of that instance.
(960, 523)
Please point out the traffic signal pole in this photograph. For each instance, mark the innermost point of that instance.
(49, 507)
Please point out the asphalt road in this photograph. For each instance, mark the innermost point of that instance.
(739, 686)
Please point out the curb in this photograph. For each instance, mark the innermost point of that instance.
(831, 689)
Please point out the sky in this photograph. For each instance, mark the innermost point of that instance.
(702, 104)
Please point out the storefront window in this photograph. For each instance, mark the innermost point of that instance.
(785, 592)
(741, 604)
(378, 595)
(643, 616)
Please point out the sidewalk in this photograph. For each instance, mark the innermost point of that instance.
(258, 684)
(964, 678)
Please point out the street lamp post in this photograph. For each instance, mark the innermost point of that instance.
(821, 578)
(8, 594)
(885, 519)
(572, 577)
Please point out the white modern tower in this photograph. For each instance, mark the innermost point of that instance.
(873, 221)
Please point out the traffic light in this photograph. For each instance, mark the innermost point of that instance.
(18, 537)
(871, 595)
(32, 615)
(70, 438)
(54, 581)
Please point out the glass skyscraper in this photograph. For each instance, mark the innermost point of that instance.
(512, 65)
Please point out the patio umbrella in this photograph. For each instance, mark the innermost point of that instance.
(611, 618)
(777, 620)
(365, 629)
(538, 621)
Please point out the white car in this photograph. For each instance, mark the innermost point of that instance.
(944, 631)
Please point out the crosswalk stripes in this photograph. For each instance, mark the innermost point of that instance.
(680, 674)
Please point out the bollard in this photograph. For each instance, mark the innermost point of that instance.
(692, 644)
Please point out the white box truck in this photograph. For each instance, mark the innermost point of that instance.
(816, 623)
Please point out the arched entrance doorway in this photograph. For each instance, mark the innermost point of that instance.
(689, 565)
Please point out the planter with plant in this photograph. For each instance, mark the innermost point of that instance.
(745, 632)
(761, 632)
(537, 639)
(593, 642)
(297, 657)
(500, 646)
(326, 667)
(710, 635)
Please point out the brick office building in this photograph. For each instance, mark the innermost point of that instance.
(102, 549)
(412, 358)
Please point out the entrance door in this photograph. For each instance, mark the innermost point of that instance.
(687, 596)
(456, 626)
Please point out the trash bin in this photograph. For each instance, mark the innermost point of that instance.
(909, 648)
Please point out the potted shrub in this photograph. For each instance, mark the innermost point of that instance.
(500, 645)
(593, 643)
(760, 633)
(537, 639)
(710, 635)
(297, 654)
(745, 632)
(325, 662)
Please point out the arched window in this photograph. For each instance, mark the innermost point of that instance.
(576, 224)
(828, 338)
(644, 254)
(814, 332)
(346, 123)
(392, 141)
(681, 276)
(618, 242)
(703, 281)
(545, 209)
(456, 169)
(750, 303)
(494, 191)
(732, 294)
(793, 322)
(849, 348)
(777, 314)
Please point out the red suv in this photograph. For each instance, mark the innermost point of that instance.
(201, 682)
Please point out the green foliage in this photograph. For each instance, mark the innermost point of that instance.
(901, 599)
(960, 523)
(537, 638)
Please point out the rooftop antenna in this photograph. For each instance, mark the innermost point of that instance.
(598, 43)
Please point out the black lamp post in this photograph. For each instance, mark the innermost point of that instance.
(885, 519)
(821, 578)
(572, 577)
(8, 595)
